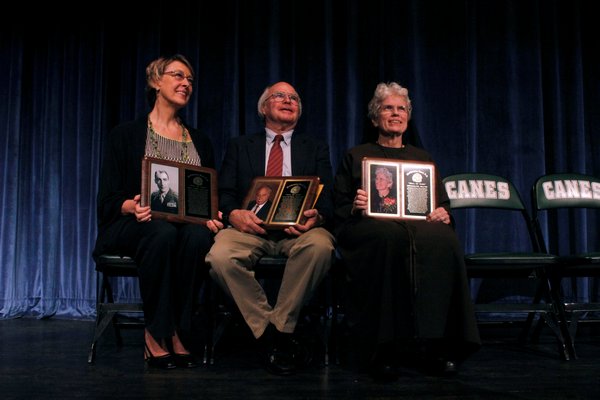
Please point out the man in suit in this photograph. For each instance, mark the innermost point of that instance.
(309, 247)
(262, 202)
(164, 199)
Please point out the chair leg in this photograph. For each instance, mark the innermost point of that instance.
(218, 319)
(103, 319)
(560, 314)
(531, 318)
(574, 323)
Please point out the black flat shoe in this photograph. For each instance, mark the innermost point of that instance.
(441, 367)
(384, 373)
(384, 365)
(163, 362)
(185, 361)
(449, 368)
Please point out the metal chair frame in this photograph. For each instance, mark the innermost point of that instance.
(109, 267)
(493, 192)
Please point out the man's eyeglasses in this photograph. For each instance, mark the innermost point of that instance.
(180, 76)
(281, 96)
(388, 109)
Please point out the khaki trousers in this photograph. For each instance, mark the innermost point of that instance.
(233, 256)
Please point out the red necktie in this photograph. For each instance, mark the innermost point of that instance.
(275, 164)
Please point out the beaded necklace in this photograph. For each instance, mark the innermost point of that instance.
(184, 137)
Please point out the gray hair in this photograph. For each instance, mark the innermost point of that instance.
(386, 173)
(382, 91)
(265, 95)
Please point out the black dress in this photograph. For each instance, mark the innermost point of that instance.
(406, 280)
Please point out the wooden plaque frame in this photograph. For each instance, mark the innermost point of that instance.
(196, 195)
(290, 197)
(412, 193)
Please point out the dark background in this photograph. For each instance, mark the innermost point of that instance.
(504, 87)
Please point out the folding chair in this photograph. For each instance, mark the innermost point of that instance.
(109, 267)
(568, 200)
(490, 197)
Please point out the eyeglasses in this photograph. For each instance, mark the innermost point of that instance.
(389, 109)
(281, 96)
(180, 76)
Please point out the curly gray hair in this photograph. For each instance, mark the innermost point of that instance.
(384, 90)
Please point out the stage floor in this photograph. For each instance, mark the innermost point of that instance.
(47, 359)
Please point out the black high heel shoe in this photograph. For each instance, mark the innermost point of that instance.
(162, 362)
(185, 360)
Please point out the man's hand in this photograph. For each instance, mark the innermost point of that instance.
(314, 219)
(246, 221)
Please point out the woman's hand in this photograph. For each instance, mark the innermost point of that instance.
(215, 225)
(440, 214)
(133, 206)
(360, 201)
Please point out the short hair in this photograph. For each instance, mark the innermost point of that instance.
(156, 69)
(162, 171)
(385, 172)
(384, 90)
(265, 95)
(264, 186)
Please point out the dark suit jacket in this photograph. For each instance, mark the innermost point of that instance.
(264, 211)
(121, 171)
(245, 159)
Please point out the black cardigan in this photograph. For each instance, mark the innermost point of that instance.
(121, 169)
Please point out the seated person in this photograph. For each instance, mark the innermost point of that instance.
(407, 288)
(309, 247)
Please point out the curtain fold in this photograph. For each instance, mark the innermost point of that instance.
(505, 87)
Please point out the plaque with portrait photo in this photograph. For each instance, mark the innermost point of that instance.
(281, 201)
(398, 189)
(179, 192)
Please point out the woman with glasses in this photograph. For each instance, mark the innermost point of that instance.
(170, 256)
(407, 293)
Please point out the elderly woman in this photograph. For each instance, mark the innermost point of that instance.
(386, 202)
(408, 297)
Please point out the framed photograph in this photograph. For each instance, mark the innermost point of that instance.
(281, 201)
(179, 192)
(399, 189)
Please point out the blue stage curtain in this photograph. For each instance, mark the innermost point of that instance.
(506, 87)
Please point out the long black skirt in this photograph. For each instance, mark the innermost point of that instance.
(406, 284)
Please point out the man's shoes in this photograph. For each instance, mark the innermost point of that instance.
(280, 362)
(281, 358)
